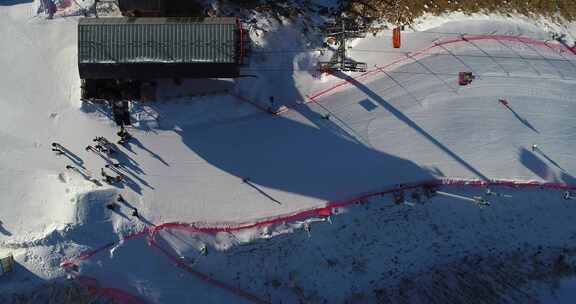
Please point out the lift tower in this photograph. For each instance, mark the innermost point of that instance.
(341, 30)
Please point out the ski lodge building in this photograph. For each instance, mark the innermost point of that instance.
(152, 48)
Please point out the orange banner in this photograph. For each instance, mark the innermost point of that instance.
(396, 38)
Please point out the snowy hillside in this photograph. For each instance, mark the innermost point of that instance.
(208, 166)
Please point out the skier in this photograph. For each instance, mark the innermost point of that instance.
(204, 250)
(135, 212)
(308, 229)
(534, 147)
(51, 8)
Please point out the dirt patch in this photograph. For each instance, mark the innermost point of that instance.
(504, 277)
(55, 293)
(405, 11)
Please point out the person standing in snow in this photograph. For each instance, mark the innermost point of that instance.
(204, 250)
(271, 107)
(50, 8)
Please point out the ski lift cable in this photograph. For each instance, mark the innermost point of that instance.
(421, 73)
(404, 52)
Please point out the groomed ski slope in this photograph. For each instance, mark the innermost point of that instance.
(191, 157)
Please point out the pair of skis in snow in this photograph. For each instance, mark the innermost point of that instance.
(113, 205)
(109, 179)
(102, 145)
(61, 150)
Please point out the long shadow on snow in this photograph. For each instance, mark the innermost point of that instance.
(316, 158)
(275, 76)
(283, 154)
(402, 117)
(3, 230)
(522, 119)
(12, 283)
(537, 165)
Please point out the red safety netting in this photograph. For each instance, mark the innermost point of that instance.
(461, 39)
(323, 211)
(93, 286)
(312, 97)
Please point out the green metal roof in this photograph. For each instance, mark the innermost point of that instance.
(157, 40)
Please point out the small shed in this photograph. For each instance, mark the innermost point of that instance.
(159, 8)
(153, 48)
(142, 8)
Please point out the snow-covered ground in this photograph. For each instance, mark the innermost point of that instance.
(219, 159)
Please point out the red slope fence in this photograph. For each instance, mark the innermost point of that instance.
(120, 296)
(312, 97)
(461, 39)
(323, 211)
(330, 206)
